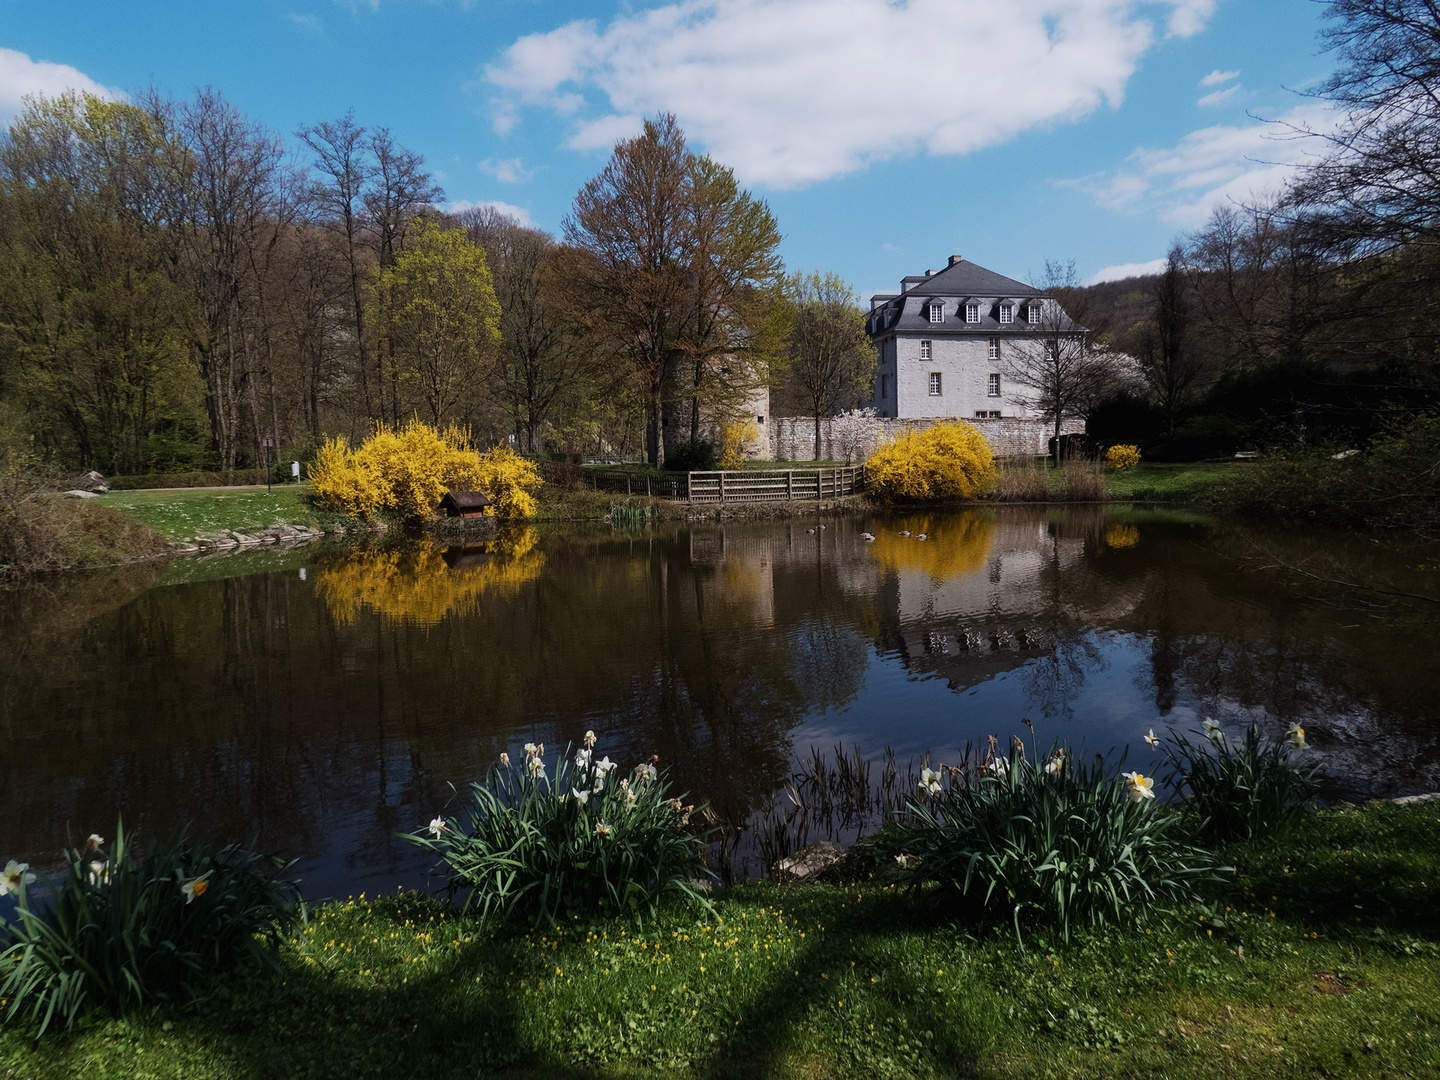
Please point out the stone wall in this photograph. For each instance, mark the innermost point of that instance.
(792, 438)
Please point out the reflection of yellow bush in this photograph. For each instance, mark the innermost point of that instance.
(1121, 457)
(1120, 535)
(414, 584)
(954, 547)
(733, 440)
(946, 461)
(409, 469)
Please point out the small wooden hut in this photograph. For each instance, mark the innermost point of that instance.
(464, 504)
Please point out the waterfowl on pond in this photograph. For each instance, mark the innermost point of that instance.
(904, 532)
(867, 537)
(922, 536)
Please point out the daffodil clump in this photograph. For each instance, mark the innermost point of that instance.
(1249, 787)
(1049, 839)
(546, 843)
(119, 931)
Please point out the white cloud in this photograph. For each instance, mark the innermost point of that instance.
(507, 171)
(21, 76)
(1121, 271)
(306, 22)
(789, 92)
(1216, 77)
(1183, 183)
(1218, 97)
(519, 213)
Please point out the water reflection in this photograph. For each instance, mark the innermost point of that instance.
(320, 713)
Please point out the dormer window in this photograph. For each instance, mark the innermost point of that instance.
(972, 312)
(1007, 313)
(937, 311)
(1033, 313)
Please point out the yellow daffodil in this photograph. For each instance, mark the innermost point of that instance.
(196, 886)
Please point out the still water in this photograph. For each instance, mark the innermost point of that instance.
(317, 701)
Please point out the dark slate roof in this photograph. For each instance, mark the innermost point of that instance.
(959, 283)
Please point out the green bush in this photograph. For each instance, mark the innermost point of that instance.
(1252, 789)
(121, 932)
(699, 456)
(543, 846)
(1063, 842)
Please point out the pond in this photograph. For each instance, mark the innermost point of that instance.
(320, 700)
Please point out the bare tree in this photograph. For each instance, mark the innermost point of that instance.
(1067, 365)
(831, 360)
(1171, 364)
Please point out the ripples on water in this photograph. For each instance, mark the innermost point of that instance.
(320, 700)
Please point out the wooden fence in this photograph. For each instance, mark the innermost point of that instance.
(777, 485)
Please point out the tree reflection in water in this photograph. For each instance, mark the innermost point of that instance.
(319, 715)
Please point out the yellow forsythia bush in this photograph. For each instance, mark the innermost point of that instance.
(733, 439)
(1122, 457)
(408, 470)
(946, 461)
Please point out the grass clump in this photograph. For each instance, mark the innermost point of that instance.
(546, 846)
(1060, 842)
(120, 932)
(1251, 789)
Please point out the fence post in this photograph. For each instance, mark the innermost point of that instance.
(688, 475)
(647, 485)
(722, 485)
(627, 485)
(789, 485)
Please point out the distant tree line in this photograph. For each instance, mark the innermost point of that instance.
(181, 289)
(1309, 317)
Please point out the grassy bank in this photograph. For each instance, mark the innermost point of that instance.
(1155, 482)
(1320, 959)
(179, 514)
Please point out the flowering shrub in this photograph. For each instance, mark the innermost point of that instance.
(510, 480)
(120, 933)
(1066, 842)
(408, 470)
(1122, 457)
(733, 440)
(544, 844)
(946, 461)
(1254, 788)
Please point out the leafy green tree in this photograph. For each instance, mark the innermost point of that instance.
(91, 321)
(437, 306)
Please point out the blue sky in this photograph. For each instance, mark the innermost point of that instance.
(885, 134)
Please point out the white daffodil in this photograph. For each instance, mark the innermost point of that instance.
(645, 773)
(537, 767)
(196, 886)
(98, 876)
(437, 826)
(599, 783)
(581, 797)
(604, 765)
(998, 766)
(504, 760)
(1139, 787)
(93, 843)
(1213, 732)
(14, 877)
(582, 758)
(1296, 737)
(531, 749)
(930, 781)
(602, 830)
(1056, 763)
(589, 740)
(629, 797)
(1152, 739)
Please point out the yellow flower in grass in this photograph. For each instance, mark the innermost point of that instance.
(1139, 787)
(196, 886)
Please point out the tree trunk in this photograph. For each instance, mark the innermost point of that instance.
(817, 435)
(654, 435)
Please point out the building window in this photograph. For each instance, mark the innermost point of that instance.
(994, 352)
(759, 419)
(884, 386)
(994, 389)
(1034, 314)
(1007, 313)
(935, 384)
(937, 312)
(924, 350)
(972, 312)
(987, 414)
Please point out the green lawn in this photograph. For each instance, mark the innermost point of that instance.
(181, 513)
(1321, 959)
(1168, 483)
